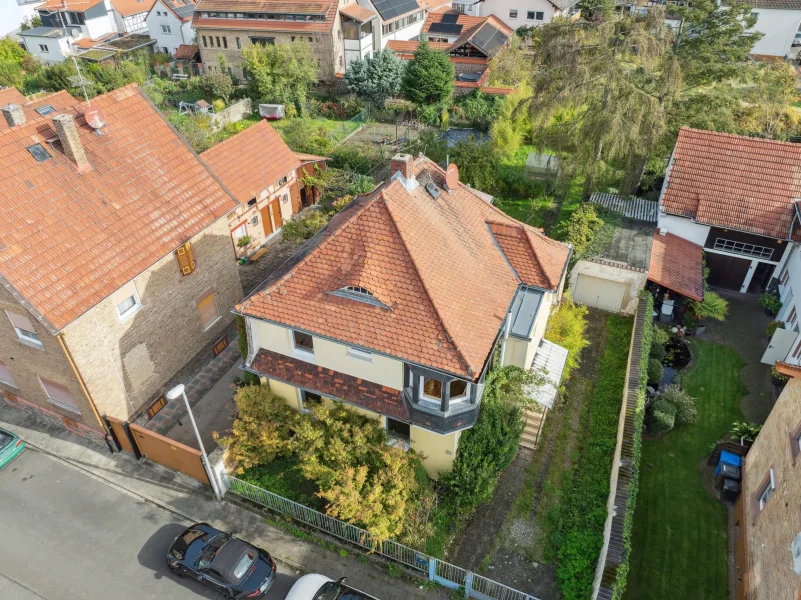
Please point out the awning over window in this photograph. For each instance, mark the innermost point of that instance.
(549, 360)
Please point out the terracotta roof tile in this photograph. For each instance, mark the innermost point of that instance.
(358, 12)
(186, 52)
(60, 101)
(734, 182)
(69, 239)
(251, 161)
(434, 263)
(678, 265)
(12, 95)
(304, 158)
(74, 5)
(537, 259)
(199, 23)
(327, 382)
(322, 7)
(131, 7)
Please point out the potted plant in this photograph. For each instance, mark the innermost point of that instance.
(771, 303)
(712, 307)
(772, 327)
(243, 241)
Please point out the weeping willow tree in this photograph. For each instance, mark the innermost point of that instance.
(602, 92)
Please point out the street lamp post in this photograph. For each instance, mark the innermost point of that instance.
(173, 394)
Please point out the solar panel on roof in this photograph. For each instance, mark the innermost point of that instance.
(447, 28)
(489, 39)
(389, 9)
(449, 18)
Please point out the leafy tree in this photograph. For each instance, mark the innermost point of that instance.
(429, 77)
(11, 74)
(662, 416)
(282, 73)
(11, 50)
(775, 91)
(686, 411)
(304, 226)
(30, 23)
(376, 78)
(219, 84)
(511, 67)
(477, 162)
(580, 229)
(480, 109)
(512, 125)
(655, 371)
(713, 306)
(431, 143)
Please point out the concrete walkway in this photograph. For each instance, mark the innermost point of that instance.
(191, 500)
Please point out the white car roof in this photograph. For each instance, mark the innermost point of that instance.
(307, 586)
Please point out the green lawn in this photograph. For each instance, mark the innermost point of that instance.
(679, 541)
(338, 130)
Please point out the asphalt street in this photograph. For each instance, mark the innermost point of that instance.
(67, 536)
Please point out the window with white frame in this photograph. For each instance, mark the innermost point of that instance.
(302, 343)
(743, 248)
(43, 48)
(166, 29)
(513, 14)
(360, 354)
(59, 395)
(24, 329)
(767, 490)
(5, 375)
(126, 300)
(309, 399)
(462, 8)
(431, 389)
(532, 15)
(134, 22)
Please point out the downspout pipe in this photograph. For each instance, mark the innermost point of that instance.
(506, 335)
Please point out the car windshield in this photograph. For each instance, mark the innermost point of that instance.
(334, 590)
(243, 566)
(5, 439)
(210, 551)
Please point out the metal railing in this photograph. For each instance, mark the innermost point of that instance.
(446, 574)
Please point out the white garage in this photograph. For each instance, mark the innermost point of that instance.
(600, 293)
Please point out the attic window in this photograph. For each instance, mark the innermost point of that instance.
(360, 294)
(39, 153)
(433, 190)
(45, 109)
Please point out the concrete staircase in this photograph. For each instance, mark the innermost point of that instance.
(535, 419)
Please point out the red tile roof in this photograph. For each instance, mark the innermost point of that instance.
(322, 7)
(358, 12)
(327, 382)
(678, 265)
(58, 100)
(304, 158)
(200, 23)
(469, 23)
(12, 95)
(251, 161)
(72, 5)
(538, 260)
(68, 239)
(186, 52)
(434, 265)
(132, 7)
(734, 182)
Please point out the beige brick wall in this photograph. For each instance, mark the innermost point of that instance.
(770, 531)
(26, 364)
(322, 46)
(125, 365)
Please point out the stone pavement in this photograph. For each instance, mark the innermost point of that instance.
(191, 500)
(196, 389)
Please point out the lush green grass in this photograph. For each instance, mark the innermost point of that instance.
(282, 476)
(338, 130)
(679, 542)
(583, 514)
(533, 211)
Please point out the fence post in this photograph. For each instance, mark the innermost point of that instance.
(432, 569)
(468, 584)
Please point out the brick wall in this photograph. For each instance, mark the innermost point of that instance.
(125, 365)
(27, 363)
(322, 46)
(769, 532)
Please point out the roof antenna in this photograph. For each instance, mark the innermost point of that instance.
(72, 52)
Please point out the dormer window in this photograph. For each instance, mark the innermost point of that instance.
(360, 294)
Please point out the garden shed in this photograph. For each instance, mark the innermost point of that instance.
(617, 269)
(542, 165)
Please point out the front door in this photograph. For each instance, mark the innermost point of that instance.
(727, 272)
(271, 217)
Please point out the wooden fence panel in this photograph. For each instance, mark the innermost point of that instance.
(169, 453)
(119, 432)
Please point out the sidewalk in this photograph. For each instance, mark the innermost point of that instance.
(192, 501)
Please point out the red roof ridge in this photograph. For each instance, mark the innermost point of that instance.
(747, 138)
(470, 367)
(530, 241)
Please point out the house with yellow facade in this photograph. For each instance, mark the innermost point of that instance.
(402, 303)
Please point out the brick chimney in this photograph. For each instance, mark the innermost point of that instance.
(403, 163)
(70, 141)
(13, 114)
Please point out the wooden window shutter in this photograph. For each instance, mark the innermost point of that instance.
(186, 259)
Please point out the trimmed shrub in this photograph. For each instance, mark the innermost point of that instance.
(303, 227)
(686, 411)
(772, 327)
(662, 417)
(660, 336)
(655, 371)
(657, 353)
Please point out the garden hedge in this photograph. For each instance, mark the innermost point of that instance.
(662, 418)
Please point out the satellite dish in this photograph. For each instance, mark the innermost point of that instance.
(95, 117)
(75, 32)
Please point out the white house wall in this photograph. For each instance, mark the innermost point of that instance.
(636, 280)
(779, 28)
(501, 8)
(790, 294)
(683, 227)
(100, 20)
(57, 48)
(171, 40)
(520, 352)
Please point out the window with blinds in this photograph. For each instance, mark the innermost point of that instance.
(207, 307)
(24, 328)
(5, 375)
(59, 395)
(186, 259)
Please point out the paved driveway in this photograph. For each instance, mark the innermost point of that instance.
(67, 536)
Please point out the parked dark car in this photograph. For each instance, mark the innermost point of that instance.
(222, 562)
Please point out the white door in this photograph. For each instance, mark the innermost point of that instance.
(600, 293)
(779, 346)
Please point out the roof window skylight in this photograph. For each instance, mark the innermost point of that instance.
(45, 109)
(360, 294)
(39, 153)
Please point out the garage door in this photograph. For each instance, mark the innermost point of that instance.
(600, 293)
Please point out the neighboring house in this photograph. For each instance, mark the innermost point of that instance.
(261, 172)
(519, 13)
(470, 42)
(611, 276)
(169, 22)
(767, 516)
(779, 22)
(71, 29)
(735, 196)
(115, 259)
(398, 306)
